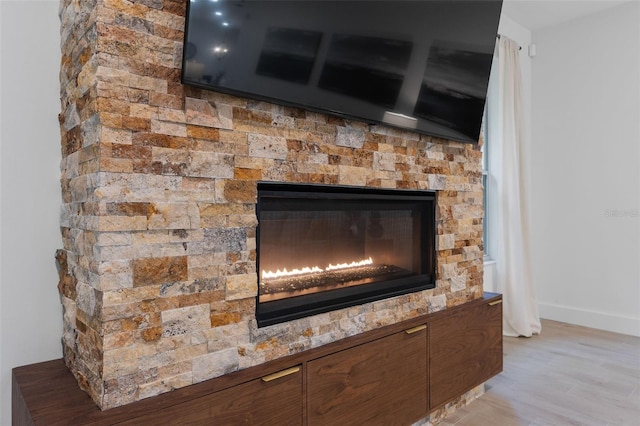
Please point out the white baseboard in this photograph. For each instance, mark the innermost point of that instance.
(592, 319)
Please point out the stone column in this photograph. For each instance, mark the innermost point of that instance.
(159, 181)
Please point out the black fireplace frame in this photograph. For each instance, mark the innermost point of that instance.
(279, 311)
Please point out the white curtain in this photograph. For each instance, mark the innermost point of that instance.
(512, 252)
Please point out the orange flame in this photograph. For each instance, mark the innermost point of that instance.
(364, 262)
(286, 273)
(314, 269)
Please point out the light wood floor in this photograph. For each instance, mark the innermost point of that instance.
(568, 375)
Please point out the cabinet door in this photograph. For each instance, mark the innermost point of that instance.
(465, 350)
(383, 382)
(271, 400)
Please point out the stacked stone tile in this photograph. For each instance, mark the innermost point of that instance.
(157, 273)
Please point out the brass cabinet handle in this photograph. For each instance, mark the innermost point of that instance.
(416, 329)
(495, 302)
(280, 374)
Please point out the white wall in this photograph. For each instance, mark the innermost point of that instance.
(585, 170)
(30, 310)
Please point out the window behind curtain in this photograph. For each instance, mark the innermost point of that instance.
(485, 173)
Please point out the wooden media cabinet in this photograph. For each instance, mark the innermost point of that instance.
(397, 374)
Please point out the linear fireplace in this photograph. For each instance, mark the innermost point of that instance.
(322, 248)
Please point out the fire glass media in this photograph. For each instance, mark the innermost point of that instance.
(322, 248)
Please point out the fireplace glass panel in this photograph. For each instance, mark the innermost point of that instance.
(325, 247)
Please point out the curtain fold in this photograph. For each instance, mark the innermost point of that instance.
(513, 259)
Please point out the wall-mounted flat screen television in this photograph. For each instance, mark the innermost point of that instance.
(417, 65)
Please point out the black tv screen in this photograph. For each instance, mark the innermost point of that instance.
(418, 65)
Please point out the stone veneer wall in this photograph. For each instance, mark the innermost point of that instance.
(157, 273)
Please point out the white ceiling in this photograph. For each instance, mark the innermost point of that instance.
(536, 14)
